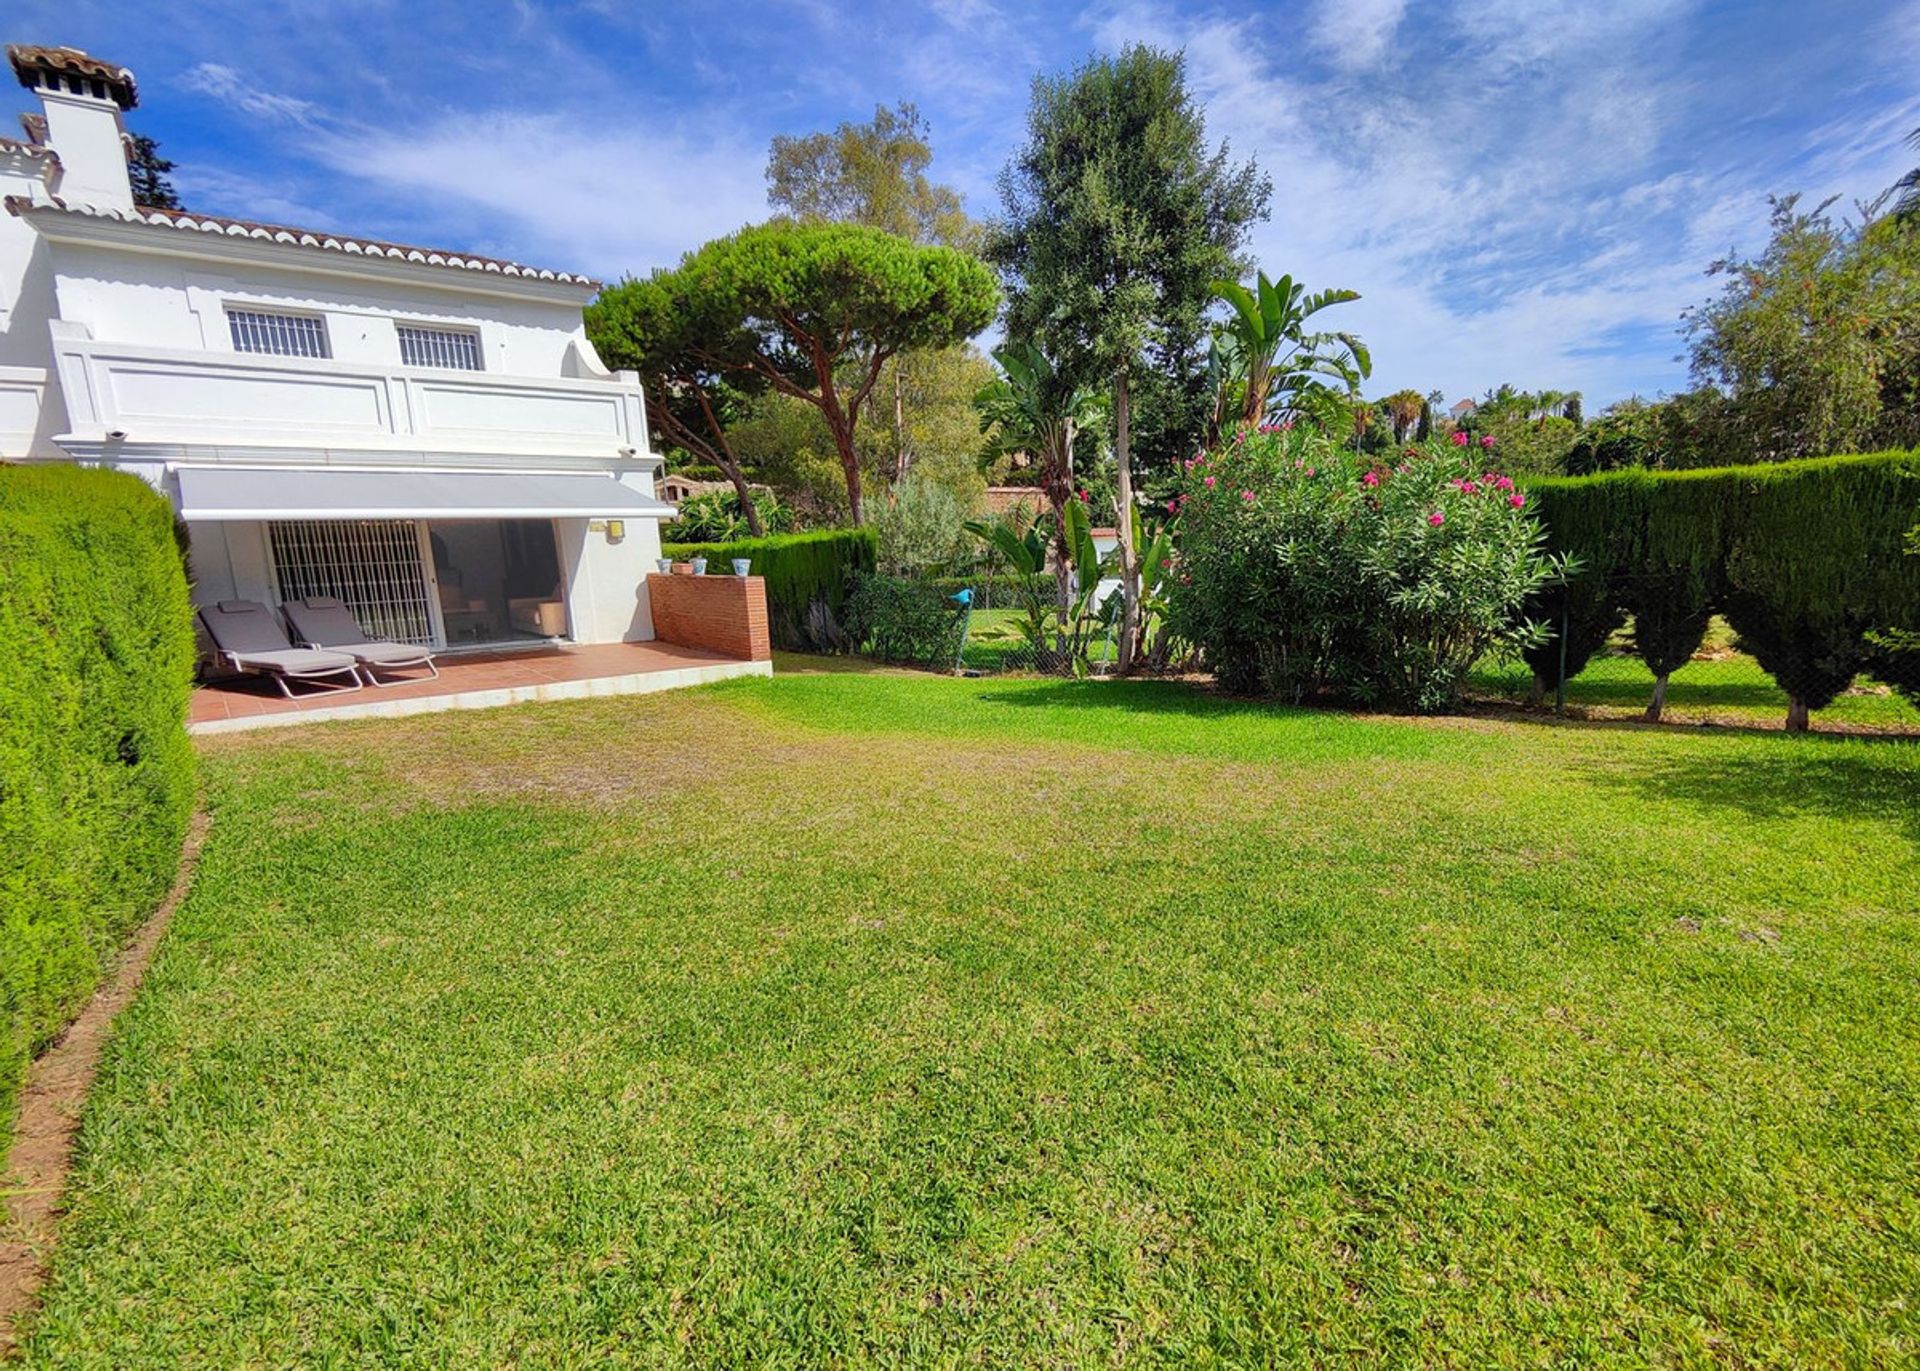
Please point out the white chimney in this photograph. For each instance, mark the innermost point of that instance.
(82, 97)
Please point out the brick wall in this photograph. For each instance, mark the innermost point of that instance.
(724, 614)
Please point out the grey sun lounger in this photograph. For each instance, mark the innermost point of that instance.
(249, 638)
(325, 622)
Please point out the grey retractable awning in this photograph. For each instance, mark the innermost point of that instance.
(264, 493)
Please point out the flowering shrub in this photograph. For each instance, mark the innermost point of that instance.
(1304, 569)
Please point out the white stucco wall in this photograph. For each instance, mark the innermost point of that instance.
(177, 303)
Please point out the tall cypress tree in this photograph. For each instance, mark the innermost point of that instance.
(1115, 217)
(147, 169)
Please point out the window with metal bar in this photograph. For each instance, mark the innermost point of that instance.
(373, 565)
(439, 347)
(285, 335)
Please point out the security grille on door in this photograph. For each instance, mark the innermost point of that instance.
(371, 564)
(439, 347)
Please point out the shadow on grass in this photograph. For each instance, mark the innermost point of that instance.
(1187, 698)
(1814, 775)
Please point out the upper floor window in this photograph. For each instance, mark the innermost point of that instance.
(439, 347)
(287, 335)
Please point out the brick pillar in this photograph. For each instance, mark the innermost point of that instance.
(724, 614)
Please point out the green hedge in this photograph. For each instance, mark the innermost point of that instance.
(1804, 558)
(801, 570)
(96, 775)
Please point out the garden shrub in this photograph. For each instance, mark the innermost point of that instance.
(1303, 569)
(899, 620)
(1803, 557)
(808, 576)
(96, 774)
(717, 516)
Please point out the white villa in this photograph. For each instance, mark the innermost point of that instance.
(426, 434)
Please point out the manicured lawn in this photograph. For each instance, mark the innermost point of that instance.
(883, 1018)
(1719, 686)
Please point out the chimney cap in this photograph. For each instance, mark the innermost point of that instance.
(106, 80)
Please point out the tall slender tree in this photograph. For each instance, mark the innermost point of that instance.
(1116, 215)
(147, 170)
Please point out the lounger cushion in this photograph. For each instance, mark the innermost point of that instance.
(389, 654)
(295, 661)
(324, 619)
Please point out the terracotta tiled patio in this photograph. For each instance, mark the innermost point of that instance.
(473, 681)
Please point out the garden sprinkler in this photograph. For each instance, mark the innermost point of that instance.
(965, 599)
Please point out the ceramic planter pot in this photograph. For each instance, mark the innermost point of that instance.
(699, 566)
(740, 565)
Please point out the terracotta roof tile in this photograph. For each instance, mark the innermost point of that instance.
(321, 239)
(28, 59)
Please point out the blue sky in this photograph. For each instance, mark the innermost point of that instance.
(1522, 190)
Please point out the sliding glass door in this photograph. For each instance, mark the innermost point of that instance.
(497, 580)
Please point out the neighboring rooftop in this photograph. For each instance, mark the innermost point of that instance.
(73, 70)
(320, 239)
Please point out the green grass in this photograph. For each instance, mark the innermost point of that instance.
(996, 641)
(1720, 685)
(886, 1018)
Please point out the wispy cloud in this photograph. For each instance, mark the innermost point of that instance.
(229, 87)
(1357, 35)
(1523, 190)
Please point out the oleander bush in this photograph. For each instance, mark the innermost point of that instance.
(809, 577)
(1304, 569)
(96, 775)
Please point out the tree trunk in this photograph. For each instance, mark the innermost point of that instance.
(1537, 693)
(841, 425)
(748, 508)
(1129, 570)
(1659, 701)
(902, 457)
(1797, 715)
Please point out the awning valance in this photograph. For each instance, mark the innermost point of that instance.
(277, 493)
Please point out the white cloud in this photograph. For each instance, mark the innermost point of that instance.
(229, 87)
(586, 193)
(1356, 35)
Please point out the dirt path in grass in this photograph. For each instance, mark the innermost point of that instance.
(56, 1088)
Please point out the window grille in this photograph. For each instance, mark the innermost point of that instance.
(373, 565)
(285, 335)
(439, 347)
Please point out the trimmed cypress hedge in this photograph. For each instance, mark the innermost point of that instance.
(96, 774)
(801, 570)
(1804, 558)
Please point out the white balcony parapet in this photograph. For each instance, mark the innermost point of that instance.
(155, 401)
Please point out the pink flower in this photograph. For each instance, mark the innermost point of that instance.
(1436, 518)
(1460, 437)
(1503, 483)
(1312, 472)
(1173, 506)
(1370, 479)
(1083, 497)
(1209, 483)
(1287, 427)
(1465, 485)
(1486, 440)
(1518, 499)
(1247, 495)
